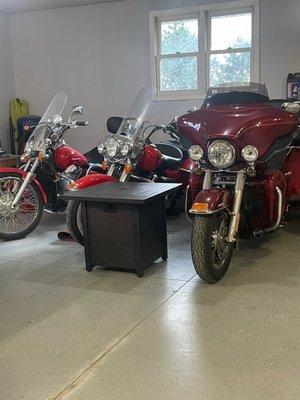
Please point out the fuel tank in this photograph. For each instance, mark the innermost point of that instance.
(65, 156)
(256, 124)
(151, 158)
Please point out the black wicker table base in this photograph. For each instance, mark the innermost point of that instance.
(125, 224)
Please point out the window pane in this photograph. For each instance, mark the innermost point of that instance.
(179, 36)
(229, 67)
(178, 73)
(231, 31)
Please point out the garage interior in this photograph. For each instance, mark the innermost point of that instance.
(66, 333)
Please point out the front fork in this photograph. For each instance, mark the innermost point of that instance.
(236, 211)
(26, 181)
(123, 176)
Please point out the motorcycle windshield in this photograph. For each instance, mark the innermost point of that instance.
(236, 93)
(140, 114)
(37, 140)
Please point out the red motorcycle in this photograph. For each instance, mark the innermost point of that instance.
(248, 171)
(130, 155)
(48, 166)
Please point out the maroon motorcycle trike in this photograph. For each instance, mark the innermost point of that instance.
(247, 154)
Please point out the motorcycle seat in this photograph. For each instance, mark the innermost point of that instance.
(171, 162)
(93, 156)
(172, 155)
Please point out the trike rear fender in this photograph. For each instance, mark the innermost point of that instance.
(211, 201)
(22, 173)
(92, 180)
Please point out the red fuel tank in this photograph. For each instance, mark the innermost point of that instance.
(66, 156)
(150, 159)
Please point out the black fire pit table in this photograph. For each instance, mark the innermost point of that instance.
(125, 225)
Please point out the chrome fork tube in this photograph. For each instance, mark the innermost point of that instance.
(123, 177)
(235, 217)
(111, 169)
(207, 180)
(26, 166)
(25, 183)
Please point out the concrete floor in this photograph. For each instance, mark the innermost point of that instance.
(69, 334)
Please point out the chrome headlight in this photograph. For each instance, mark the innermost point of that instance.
(101, 148)
(195, 152)
(221, 154)
(125, 149)
(249, 153)
(112, 147)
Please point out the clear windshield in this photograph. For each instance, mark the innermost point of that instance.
(37, 140)
(233, 93)
(140, 114)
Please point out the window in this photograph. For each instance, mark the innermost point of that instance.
(192, 49)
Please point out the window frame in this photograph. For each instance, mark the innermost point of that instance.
(204, 14)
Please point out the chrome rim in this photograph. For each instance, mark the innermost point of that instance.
(79, 220)
(220, 245)
(21, 217)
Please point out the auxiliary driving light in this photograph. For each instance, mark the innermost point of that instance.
(195, 152)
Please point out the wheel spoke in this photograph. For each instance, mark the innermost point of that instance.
(18, 219)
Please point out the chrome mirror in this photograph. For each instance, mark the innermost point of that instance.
(291, 107)
(77, 110)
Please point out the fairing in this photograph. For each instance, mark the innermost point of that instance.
(257, 124)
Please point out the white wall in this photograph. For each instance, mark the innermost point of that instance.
(6, 79)
(279, 43)
(100, 56)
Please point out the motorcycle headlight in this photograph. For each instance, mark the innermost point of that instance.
(249, 153)
(125, 149)
(112, 147)
(195, 152)
(101, 148)
(221, 154)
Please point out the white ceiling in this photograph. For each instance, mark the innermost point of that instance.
(13, 6)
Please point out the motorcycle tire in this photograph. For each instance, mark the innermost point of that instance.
(73, 214)
(202, 248)
(40, 208)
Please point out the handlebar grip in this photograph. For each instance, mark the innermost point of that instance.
(81, 123)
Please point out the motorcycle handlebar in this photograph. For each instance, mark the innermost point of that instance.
(81, 123)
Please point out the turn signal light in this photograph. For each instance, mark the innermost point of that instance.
(128, 168)
(24, 158)
(104, 165)
(41, 156)
(199, 207)
(72, 186)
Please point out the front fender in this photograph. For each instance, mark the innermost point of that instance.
(92, 180)
(22, 173)
(211, 201)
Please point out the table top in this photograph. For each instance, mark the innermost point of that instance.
(127, 192)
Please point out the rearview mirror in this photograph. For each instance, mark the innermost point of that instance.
(77, 110)
(291, 107)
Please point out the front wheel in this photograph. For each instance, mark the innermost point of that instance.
(211, 252)
(19, 221)
(74, 222)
